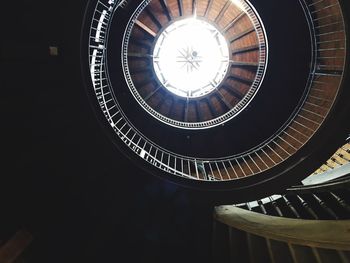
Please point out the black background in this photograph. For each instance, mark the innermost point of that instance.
(61, 176)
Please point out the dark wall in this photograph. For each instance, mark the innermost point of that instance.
(61, 177)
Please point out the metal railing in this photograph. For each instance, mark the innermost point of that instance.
(327, 31)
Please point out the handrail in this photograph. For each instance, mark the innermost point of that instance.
(14, 247)
(343, 182)
(328, 234)
(325, 81)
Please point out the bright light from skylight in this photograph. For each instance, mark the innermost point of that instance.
(191, 58)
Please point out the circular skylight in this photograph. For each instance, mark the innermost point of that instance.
(194, 71)
(191, 58)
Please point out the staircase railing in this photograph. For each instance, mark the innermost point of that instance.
(330, 234)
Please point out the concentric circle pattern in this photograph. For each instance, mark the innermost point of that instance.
(219, 134)
(228, 91)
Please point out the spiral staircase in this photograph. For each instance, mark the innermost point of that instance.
(280, 154)
(260, 142)
(304, 223)
(254, 124)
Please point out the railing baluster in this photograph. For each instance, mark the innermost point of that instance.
(307, 207)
